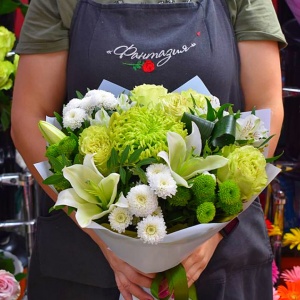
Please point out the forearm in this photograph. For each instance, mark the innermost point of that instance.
(261, 82)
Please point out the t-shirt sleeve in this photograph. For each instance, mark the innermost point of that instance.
(255, 20)
(46, 27)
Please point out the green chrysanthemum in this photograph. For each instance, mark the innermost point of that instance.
(204, 188)
(68, 146)
(52, 151)
(141, 127)
(95, 140)
(206, 212)
(230, 197)
(181, 198)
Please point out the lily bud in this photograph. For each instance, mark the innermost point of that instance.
(50, 133)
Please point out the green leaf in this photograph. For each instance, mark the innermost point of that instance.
(20, 276)
(8, 6)
(58, 118)
(266, 141)
(124, 155)
(5, 119)
(141, 173)
(222, 109)
(53, 179)
(272, 159)
(146, 161)
(79, 95)
(135, 155)
(6, 263)
(56, 164)
(224, 132)
(211, 113)
(58, 207)
(205, 127)
(113, 160)
(122, 175)
(24, 8)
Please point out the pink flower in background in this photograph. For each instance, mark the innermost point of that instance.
(9, 286)
(292, 275)
(275, 294)
(275, 272)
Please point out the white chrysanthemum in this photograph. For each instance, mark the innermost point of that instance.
(119, 219)
(73, 103)
(163, 185)
(74, 117)
(155, 169)
(104, 99)
(89, 104)
(158, 212)
(151, 229)
(142, 201)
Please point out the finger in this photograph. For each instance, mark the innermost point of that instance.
(129, 289)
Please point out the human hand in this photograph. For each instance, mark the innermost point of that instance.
(129, 280)
(196, 262)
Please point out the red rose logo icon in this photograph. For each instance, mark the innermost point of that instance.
(148, 66)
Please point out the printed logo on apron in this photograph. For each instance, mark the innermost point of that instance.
(148, 61)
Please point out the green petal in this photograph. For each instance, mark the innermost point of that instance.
(178, 179)
(89, 162)
(108, 188)
(198, 165)
(177, 150)
(193, 141)
(86, 213)
(79, 177)
(70, 198)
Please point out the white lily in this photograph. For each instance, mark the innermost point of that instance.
(91, 194)
(184, 158)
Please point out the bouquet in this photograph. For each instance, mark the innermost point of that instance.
(157, 171)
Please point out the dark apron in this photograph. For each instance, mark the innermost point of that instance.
(132, 44)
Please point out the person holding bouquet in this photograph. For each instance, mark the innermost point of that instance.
(69, 46)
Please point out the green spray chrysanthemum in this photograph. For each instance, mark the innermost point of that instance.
(229, 197)
(206, 212)
(181, 198)
(68, 146)
(52, 151)
(95, 140)
(141, 127)
(204, 188)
